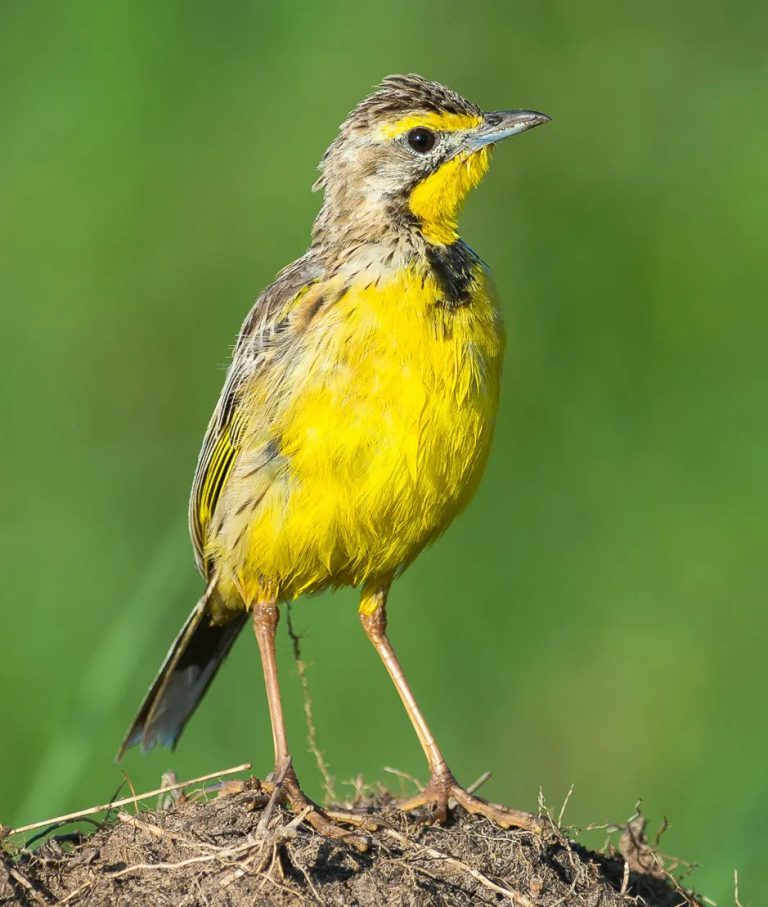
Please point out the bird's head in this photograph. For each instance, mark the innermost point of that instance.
(408, 155)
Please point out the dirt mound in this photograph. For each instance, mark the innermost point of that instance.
(238, 849)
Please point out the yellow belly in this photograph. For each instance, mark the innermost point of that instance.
(382, 438)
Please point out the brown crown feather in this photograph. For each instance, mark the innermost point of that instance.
(403, 94)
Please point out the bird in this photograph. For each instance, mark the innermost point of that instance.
(355, 418)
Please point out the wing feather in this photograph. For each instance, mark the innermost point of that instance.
(264, 328)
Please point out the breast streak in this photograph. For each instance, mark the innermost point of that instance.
(385, 434)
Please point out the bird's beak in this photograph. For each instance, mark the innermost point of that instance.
(501, 124)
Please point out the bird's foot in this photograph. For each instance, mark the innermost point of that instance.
(443, 790)
(325, 822)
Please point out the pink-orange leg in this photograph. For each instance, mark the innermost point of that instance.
(442, 786)
(265, 619)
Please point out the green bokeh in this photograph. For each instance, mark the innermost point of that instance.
(598, 616)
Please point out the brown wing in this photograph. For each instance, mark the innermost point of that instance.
(265, 327)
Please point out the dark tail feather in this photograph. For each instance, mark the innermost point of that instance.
(185, 675)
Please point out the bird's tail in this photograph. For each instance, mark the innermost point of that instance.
(185, 675)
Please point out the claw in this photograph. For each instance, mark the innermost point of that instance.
(444, 787)
(324, 822)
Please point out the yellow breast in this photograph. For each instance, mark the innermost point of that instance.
(383, 436)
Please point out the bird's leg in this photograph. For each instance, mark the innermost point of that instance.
(442, 786)
(265, 619)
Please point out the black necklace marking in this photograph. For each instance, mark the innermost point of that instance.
(453, 267)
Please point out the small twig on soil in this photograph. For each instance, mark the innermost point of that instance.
(128, 781)
(516, 897)
(476, 785)
(642, 857)
(221, 855)
(157, 832)
(307, 877)
(266, 815)
(301, 670)
(662, 829)
(404, 775)
(73, 894)
(562, 808)
(736, 900)
(25, 883)
(259, 841)
(70, 817)
(625, 880)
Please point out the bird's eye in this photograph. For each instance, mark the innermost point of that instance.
(421, 139)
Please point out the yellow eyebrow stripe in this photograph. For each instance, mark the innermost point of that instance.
(441, 122)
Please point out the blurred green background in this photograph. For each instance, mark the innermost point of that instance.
(598, 616)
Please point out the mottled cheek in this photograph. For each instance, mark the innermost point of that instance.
(372, 176)
(368, 162)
